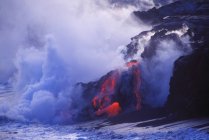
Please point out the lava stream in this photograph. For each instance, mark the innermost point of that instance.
(103, 103)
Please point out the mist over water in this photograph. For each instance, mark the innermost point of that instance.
(158, 70)
(158, 62)
(53, 45)
(48, 47)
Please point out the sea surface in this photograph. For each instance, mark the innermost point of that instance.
(192, 129)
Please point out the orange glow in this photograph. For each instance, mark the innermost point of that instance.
(94, 101)
(137, 83)
(108, 85)
(112, 110)
(103, 100)
(103, 103)
(132, 63)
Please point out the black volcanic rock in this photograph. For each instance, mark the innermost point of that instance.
(189, 85)
(179, 8)
(119, 86)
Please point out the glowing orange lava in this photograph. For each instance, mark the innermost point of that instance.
(132, 63)
(112, 110)
(137, 83)
(103, 103)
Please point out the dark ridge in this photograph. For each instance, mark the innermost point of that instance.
(201, 126)
(144, 114)
(178, 8)
(189, 90)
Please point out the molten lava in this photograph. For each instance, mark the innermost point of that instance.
(137, 83)
(103, 103)
(132, 63)
(112, 110)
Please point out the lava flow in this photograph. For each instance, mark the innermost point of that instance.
(111, 110)
(132, 63)
(137, 82)
(104, 103)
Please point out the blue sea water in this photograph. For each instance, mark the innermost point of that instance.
(27, 131)
(92, 130)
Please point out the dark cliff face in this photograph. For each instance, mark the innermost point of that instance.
(181, 27)
(180, 8)
(114, 93)
(189, 85)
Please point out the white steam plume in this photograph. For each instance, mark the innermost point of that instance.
(157, 69)
(51, 45)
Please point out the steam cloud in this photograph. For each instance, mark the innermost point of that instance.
(157, 69)
(157, 72)
(47, 47)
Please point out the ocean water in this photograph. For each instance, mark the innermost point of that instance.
(98, 129)
(25, 131)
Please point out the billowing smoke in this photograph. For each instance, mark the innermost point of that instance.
(157, 50)
(158, 70)
(47, 47)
